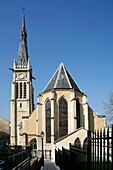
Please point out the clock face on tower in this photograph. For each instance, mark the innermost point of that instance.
(21, 76)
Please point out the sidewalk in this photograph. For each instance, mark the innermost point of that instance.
(49, 165)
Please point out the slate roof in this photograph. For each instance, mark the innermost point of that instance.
(23, 50)
(61, 80)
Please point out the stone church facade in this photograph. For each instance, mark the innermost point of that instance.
(62, 109)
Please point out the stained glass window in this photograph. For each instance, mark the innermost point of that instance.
(48, 121)
(78, 113)
(63, 117)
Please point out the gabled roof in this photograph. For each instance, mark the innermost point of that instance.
(61, 80)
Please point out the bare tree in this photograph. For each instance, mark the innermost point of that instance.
(109, 109)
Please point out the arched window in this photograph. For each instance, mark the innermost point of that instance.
(78, 113)
(63, 117)
(48, 121)
(24, 89)
(33, 143)
(77, 143)
(85, 144)
(20, 90)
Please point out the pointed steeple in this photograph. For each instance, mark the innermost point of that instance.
(61, 80)
(23, 50)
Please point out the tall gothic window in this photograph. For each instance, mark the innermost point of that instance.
(24, 89)
(78, 113)
(20, 90)
(48, 121)
(16, 90)
(63, 117)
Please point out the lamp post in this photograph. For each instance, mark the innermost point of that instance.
(42, 136)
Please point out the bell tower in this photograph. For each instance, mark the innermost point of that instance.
(22, 92)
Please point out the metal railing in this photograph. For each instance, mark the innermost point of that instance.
(25, 163)
(15, 159)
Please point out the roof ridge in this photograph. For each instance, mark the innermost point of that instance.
(58, 75)
(65, 70)
(73, 79)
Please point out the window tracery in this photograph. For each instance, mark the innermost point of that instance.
(33, 143)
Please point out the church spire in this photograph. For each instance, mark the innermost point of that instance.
(23, 50)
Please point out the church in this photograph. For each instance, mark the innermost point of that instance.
(62, 111)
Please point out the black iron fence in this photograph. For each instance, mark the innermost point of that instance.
(16, 159)
(96, 153)
(102, 149)
(25, 165)
(19, 158)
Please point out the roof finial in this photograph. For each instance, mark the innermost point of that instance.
(23, 10)
(23, 19)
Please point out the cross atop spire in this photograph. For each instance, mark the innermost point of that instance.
(23, 50)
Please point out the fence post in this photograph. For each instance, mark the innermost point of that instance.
(30, 164)
(104, 163)
(95, 148)
(100, 149)
(108, 148)
(89, 151)
(93, 151)
(98, 164)
(56, 157)
(112, 145)
(60, 158)
(70, 156)
(63, 158)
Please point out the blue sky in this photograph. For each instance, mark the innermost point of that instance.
(78, 33)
